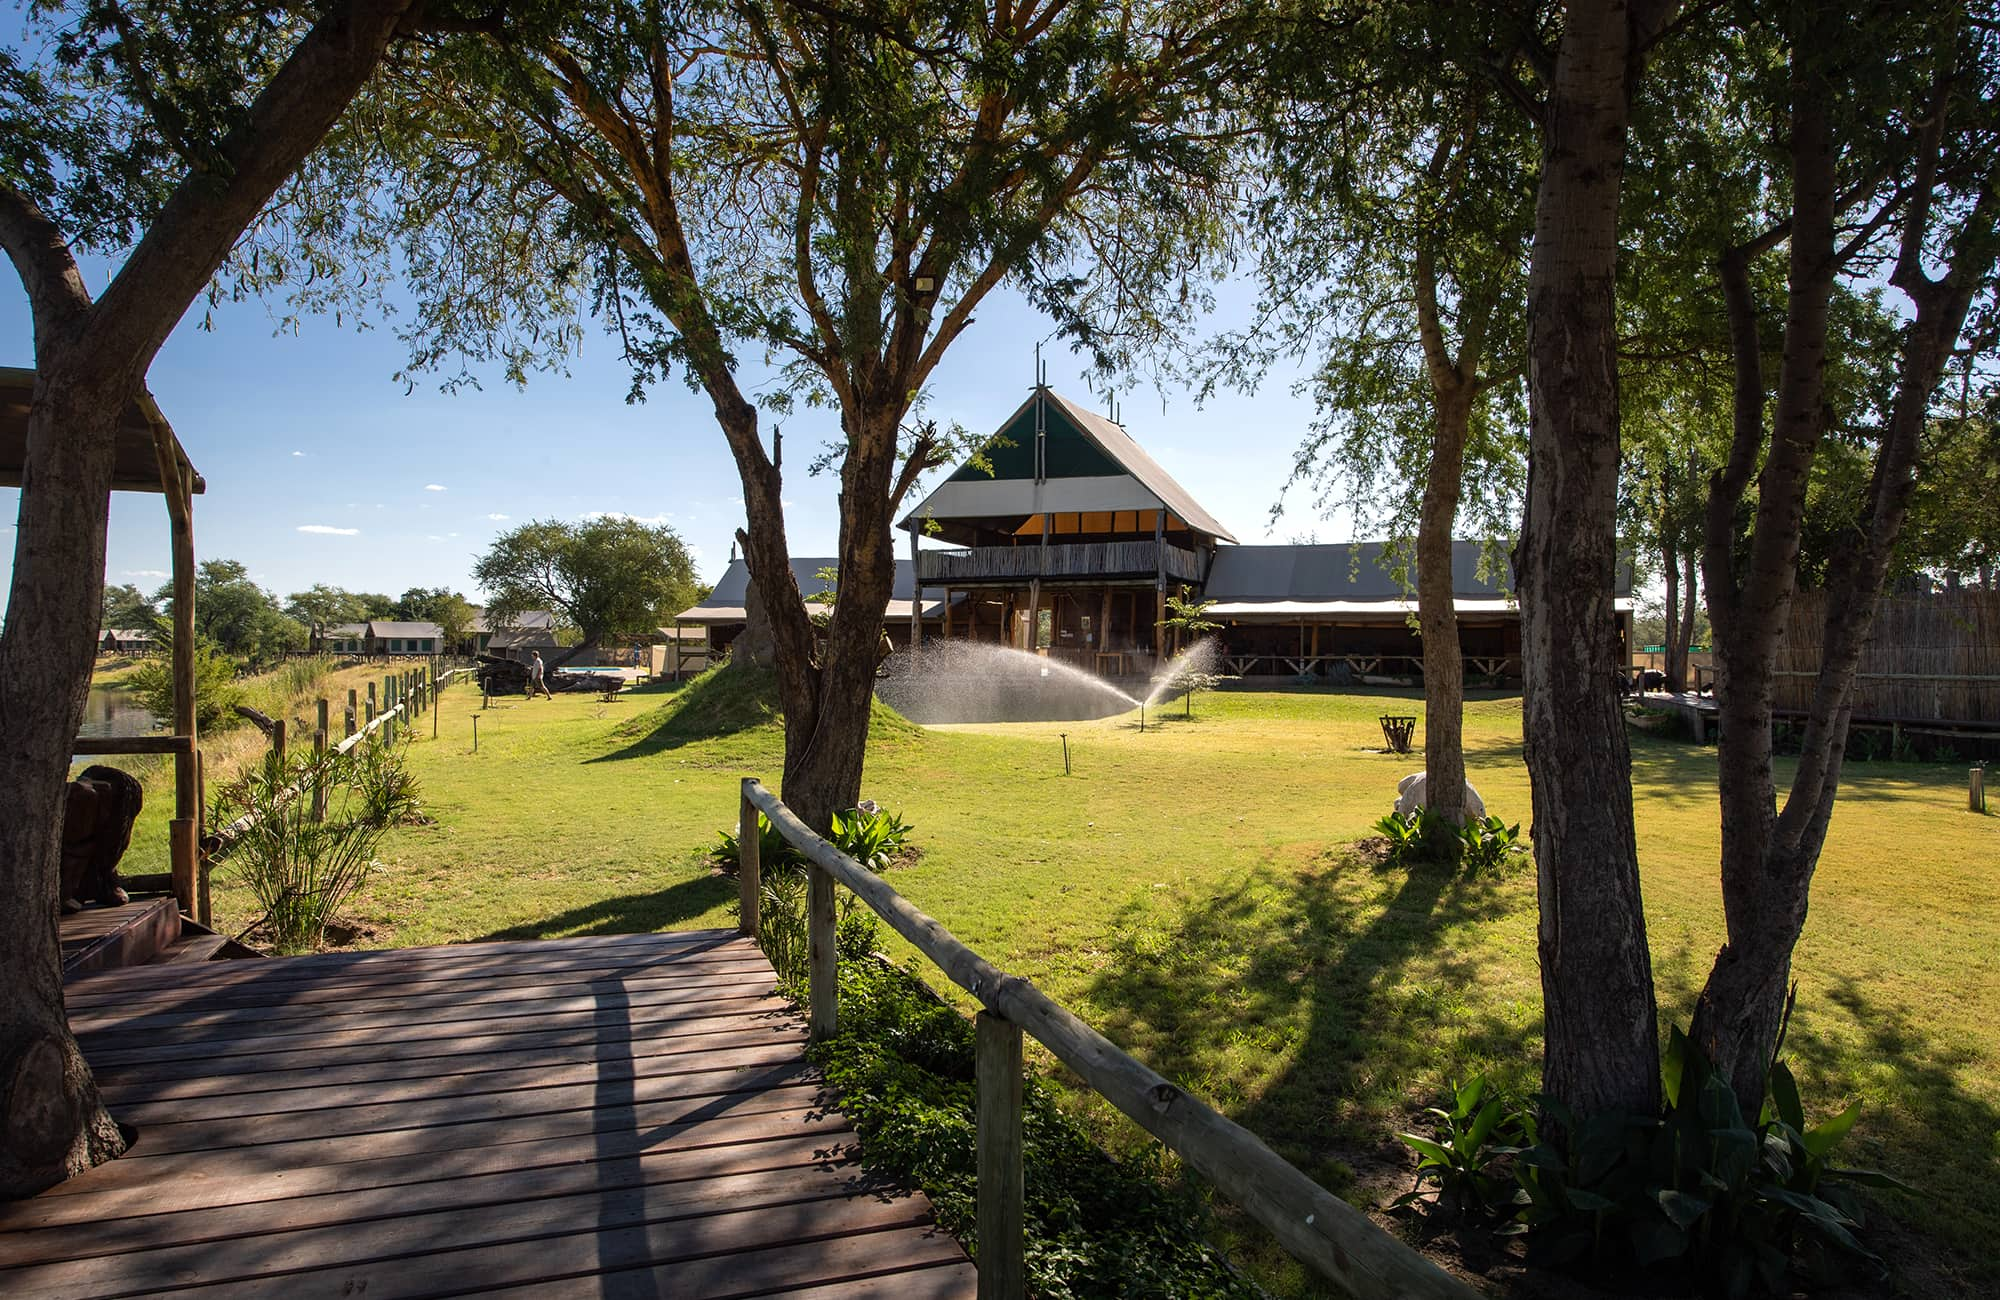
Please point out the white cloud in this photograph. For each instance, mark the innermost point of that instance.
(496, 516)
(144, 573)
(451, 534)
(651, 520)
(432, 537)
(298, 453)
(433, 487)
(328, 530)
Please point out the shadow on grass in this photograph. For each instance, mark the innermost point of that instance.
(1244, 969)
(663, 909)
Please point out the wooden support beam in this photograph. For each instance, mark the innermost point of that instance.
(184, 852)
(1975, 790)
(749, 865)
(823, 1022)
(1003, 1273)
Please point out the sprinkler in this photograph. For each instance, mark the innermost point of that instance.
(1065, 741)
(1142, 715)
(475, 733)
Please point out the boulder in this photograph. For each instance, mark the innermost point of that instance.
(1410, 797)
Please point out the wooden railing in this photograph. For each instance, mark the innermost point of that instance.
(1064, 560)
(1317, 1227)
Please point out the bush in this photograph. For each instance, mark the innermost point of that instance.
(868, 833)
(380, 773)
(1735, 1205)
(216, 693)
(300, 870)
(904, 1066)
(1463, 1157)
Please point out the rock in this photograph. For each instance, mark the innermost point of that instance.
(1410, 797)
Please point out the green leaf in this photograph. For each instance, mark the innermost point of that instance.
(1483, 1125)
(1825, 1137)
(1680, 1207)
(1785, 1096)
(1870, 1178)
(1590, 1202)
(1431, 1151)
(1468, 1095)
(1673, 1065)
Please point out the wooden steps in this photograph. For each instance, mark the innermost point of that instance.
(148, 931)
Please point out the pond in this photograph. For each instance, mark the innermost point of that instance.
(113, 712)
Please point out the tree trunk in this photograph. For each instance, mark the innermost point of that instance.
(1437, 616)
(1675, 669)
(1683, 627)
(52, 1124)
(91, 360)
(1601, 1048)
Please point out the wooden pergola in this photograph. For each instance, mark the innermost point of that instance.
(149, 459)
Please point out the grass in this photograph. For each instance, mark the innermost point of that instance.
(1189, 890)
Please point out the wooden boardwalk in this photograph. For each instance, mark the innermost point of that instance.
(621, 1116)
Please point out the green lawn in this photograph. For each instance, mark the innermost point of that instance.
(1188, 891)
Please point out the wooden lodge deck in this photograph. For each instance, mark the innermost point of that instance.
(620, 1116)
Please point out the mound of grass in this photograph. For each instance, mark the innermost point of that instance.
(720, 702)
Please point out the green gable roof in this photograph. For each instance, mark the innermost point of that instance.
(1012, 454)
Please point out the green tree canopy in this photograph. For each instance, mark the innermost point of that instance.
(237, 616)
(606, 577)
(126, 606)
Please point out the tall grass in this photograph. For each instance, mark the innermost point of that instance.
(300, 868)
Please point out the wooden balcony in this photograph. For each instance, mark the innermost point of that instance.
(1081, 561)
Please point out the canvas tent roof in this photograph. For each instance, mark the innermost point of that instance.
(1353, 578)
(726, 603)
(404, 631)
(136, 465)
(526, 620)
(1093, 465)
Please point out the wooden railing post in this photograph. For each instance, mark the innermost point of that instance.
(749, 862)
(319, 770)
(353, 711)
(1975, 790)
(1002, 1266)
(824, 1021)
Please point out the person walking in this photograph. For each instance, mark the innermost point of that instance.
(536, 684)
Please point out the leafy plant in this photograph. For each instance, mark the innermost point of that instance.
(216, 692)
(1402, 833)
(1462, 1158)
(870, 835)
(1487, 844)
(380, 772)
(299, 868)
(1736, 1204)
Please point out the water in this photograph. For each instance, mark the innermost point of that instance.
(111, 712)
(1198, 660)
(973, 681)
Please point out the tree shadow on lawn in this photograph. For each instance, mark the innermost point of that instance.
(662, 909)
(1239, 971)
(1920, 1122)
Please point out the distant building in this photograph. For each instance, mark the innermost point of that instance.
(517, 638)
(127, 641)
(722, 615)
(384, 637)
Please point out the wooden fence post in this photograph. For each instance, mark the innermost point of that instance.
(319, 764)
(1975, 790)
(353, 711)
(278, 730)
(1002, 1268)
(201, 912)
(824, 1021)
(749, 863)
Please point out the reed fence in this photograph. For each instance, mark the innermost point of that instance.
(1931, 658)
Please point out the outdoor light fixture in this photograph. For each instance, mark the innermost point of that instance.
(926, 284)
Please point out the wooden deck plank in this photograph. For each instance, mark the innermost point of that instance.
(107, 1054)
(115, 1235)
(721, 1049)
(660, 1038)
(630, 1115)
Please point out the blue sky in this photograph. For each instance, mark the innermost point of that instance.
(320, 468)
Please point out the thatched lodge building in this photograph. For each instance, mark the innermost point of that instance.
(1065, 538)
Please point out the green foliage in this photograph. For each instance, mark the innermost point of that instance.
(126, 606)
(1737, 1205)
(216, 692)
(238, 616)
(1489, 844)
(871, 835)
(903, 1064)
(299, 870)
(1461, 1158)
(380, 774)
(606, 576)
(1404, 836)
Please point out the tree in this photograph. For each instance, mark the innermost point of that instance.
(1395, 221)
(234, 615)
(1885, 161)
(449, 610)
(160, 131)
(1601, 1052)
(608, 576)
(126, 606)
(321, 607)
(839, 186)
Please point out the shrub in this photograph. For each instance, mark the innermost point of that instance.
(216, 693)
(1463, 1157)
(1736, 1205)
(1402, 834)
(1488, 844)
(300, 870)
(904, 1066)
(870, 834)
(380, 773)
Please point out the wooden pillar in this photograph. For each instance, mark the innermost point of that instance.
(1159, 582)
(177, 486)
(1034, 616)
(1975, 790)
(1002, 1270)
(823, 1022)
(1104, 622)
(749, 863)
(917, 599)
(947, 612)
